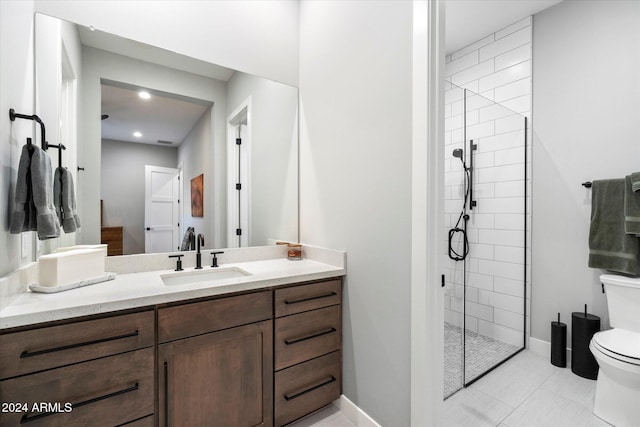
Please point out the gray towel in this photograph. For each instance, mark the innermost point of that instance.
(631, 208)
(188, 237)
(610, 248)
(64, 200)
(635, 182)
(34, 209)
(23, 218)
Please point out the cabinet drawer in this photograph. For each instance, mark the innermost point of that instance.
(51, 347)
(307, 297)
(104, 392)
(306, 387)
(187, 320)
(143, 422)
(307, 335)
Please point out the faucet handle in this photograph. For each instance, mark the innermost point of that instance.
(179, 262)
(214, 261)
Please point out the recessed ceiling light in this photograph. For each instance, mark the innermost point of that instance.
(144, 95)
(137, 134)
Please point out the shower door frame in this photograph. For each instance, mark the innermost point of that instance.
(465, 141)
(466, 383)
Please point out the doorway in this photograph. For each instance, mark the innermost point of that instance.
(161, 209)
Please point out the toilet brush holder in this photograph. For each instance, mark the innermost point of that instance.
(559, 343)
(583, 327)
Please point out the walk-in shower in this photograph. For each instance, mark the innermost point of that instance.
(486, 229)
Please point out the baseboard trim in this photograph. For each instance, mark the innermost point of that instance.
(543, 348)
(356, 415)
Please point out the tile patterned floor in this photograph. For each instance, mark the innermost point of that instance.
(482, 353)
(526, 391)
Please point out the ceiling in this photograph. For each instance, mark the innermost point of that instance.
(170, 118)
(468, 21)
(162, 117)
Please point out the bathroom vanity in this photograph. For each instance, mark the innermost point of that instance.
(260, 350)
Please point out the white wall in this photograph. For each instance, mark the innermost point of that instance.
(498, 67)
(122, 190)
(274, 156)
(17, 92)
(55, 40)
(355, 184)
(257, 37)
(195, 154)
(586, 106)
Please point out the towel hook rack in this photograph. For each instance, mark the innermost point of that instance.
(587, 184)
(60, 147)
(13, 116)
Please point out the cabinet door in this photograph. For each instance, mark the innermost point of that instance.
(218, 379)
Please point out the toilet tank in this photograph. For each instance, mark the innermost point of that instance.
(623, 300)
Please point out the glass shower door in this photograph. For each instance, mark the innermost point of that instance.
(485, 220)
(454, 195)
(494, 296)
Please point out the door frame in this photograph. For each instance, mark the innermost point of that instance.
(239, 206)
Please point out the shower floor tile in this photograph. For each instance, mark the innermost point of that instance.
(482, 353)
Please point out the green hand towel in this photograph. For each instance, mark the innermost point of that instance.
(635, 182)
(631, 207)
(610, 248)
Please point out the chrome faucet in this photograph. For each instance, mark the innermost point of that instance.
(199, 242)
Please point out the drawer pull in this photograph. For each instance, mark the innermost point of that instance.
(323, 383)
(26, 353)
(308, 337)
(296, 301)
(26, 418)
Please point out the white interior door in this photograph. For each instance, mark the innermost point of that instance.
(161, 209)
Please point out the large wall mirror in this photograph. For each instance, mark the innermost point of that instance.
(158, 143)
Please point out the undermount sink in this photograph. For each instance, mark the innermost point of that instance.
(211, 276)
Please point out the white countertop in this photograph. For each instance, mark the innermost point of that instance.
(133, 290)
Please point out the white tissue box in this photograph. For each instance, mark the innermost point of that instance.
(102, 246)
(70, 266)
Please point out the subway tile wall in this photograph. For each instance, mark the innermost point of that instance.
(497, 72)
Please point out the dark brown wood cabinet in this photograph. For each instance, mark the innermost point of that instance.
(112, 236)
(97, 372)
(260, 358)
(218, 379)
(308, 349)
(215, 362)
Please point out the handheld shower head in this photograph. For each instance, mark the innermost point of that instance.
(459, 153)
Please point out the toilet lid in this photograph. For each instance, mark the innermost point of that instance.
(621, 342)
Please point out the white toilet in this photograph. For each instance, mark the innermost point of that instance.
(617, 352)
